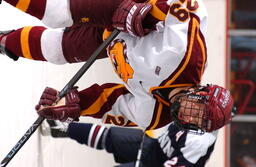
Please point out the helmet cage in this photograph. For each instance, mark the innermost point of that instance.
(189, 110)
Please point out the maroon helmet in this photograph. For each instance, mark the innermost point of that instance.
(202, 108)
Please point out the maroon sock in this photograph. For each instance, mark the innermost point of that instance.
(25, 42)
(33, 7)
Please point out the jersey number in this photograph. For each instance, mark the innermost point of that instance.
(182, 13)
(116, 120)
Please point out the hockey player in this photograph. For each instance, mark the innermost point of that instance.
(194, 110)
(160, 56)
(173, 55)
(173, 148)
(85, 21)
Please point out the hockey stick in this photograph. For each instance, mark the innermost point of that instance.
(68, 86)
(138, 160)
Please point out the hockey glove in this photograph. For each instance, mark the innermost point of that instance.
(65, 109)
(129, 17)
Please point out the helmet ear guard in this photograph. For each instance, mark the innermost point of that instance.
(202, 108)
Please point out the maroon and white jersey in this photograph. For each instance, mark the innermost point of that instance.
(172, 56)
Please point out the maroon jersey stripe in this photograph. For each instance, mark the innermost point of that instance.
(111, 101)
(154, 118)
(91, 94)
(194, 59)
(160, 118)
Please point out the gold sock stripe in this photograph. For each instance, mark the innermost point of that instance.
(23, 5)
(24, 42)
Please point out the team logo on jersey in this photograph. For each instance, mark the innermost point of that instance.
(117, 54)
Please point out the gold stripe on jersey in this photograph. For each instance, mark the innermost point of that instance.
(24, 42)
(194, 36)
(195, 26)
(102, 99)
(23, 5)
(157, 119)
(155, 11)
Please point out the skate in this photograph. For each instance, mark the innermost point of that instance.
(4, 50)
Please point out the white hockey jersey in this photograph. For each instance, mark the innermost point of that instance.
(172, 56)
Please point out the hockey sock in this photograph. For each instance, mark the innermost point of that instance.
(35, 43)
(88, 134)
(24, 42)
(33, 7)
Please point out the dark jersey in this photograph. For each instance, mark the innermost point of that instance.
(174, 148)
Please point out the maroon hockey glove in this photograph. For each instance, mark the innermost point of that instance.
(66, 109)
(129, 17)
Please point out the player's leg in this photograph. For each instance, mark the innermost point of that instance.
(35, 43)
(93, 12)
(55, 14)
(57, 46)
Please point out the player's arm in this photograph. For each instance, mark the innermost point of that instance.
(94, 101)
(131, 16)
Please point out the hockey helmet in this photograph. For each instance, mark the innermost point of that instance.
(202, 108)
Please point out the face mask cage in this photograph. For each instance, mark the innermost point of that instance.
(189, 110)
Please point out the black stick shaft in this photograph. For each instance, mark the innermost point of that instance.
(68, 86)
